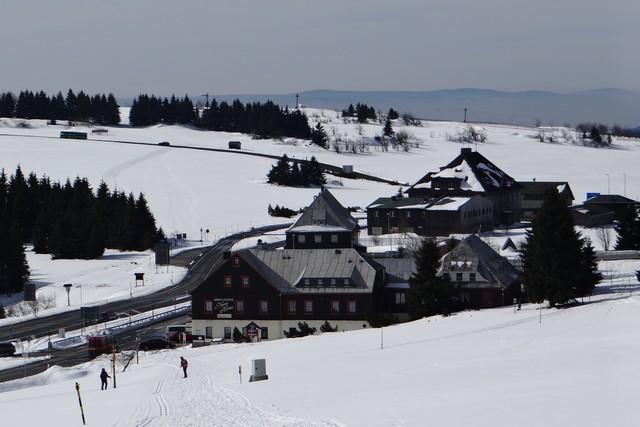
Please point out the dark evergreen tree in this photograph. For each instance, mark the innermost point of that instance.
(312, 173)
(14, 270)
(393, 114)
(58, 108)
(72, 105)
(365, 113)
(295, 176)
(595, 136)
(326, 327)
(388, 129)
(112, 113)
(558, 265)
(319, 136)
(20, 204)
(25, 105)
(429, 293)
(628, 229)
(4, 190)
(349, 112)
(7, 105)
(280, 173)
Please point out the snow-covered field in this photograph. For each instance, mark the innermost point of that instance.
(489, 368)
(573, 367)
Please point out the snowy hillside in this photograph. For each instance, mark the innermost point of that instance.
(572, 367)
(188, 190)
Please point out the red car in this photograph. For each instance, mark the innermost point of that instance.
(101, 344)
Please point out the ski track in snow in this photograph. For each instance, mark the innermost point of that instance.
(171, 404)
(112, 173)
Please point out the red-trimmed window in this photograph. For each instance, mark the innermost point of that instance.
(334, 307)
(244, 280)
(351, 307)
(227, 281)
(263, 306)
(292, 306)
(208, 306)
(239, 306)
(308, 306)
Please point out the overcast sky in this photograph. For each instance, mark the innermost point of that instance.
(285, 46)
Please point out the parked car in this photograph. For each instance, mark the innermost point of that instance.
(156, 343)
(164, 143)
(108, 315)
(7, 349)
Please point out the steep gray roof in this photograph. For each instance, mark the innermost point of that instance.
(487, 175)
(325, 211)
(610, 199)
(312, 270)
(488, 263)
(442, 203)
(398, 269)
(541, 187)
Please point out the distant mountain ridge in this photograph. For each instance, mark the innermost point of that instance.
(609, 106)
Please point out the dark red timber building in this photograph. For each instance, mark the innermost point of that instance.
(481, 277)
(472, 174)
(319, 276)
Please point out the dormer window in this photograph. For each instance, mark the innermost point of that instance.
(436, 185)
(452, 186)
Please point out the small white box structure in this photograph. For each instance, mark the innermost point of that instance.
(259, 371)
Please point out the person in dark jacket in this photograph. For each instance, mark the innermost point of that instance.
(184, 364)
(103, 377)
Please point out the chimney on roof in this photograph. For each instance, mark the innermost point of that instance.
(465, 150)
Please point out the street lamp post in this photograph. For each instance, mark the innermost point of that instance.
(67, 286)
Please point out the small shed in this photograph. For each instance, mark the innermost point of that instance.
(235, 145)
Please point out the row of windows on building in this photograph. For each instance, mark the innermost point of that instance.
(334, 282)
(308, 307)
(392, 214)
(228, 330)
(450, 185)
(476, 212)
(317, 238)
(459, 277)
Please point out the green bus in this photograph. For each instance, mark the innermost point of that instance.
(73, 135)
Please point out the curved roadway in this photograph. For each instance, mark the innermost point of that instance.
(200, 263)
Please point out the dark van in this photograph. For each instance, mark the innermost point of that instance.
(101, 344)
(7, 349)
